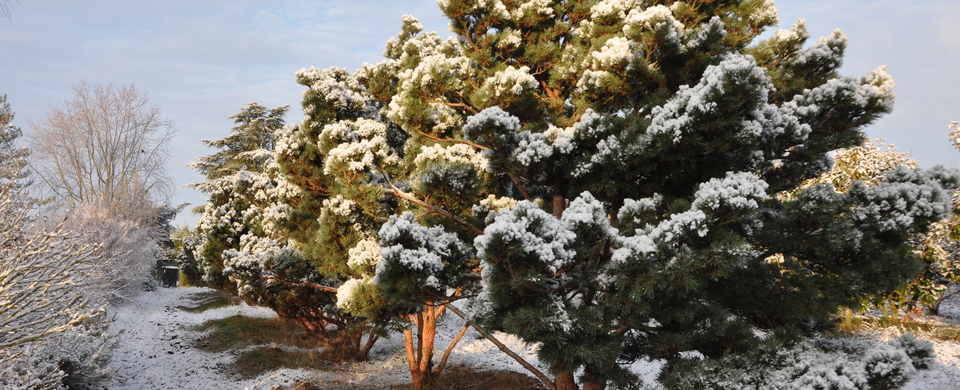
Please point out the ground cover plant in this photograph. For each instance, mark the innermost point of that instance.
(602, 178)
(210, 300)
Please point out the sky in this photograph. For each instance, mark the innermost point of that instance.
(202, 60)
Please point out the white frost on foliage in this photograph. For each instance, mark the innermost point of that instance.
(827, 50)
(286, 140)
(611, 9)
(905, 196)
(492, 202)
(534, 231)
(509, 39)
(420, 259)
(797, 33)
(875, 87)
(765, 14)
(412, 22)
(617, 52)
(650, 19)
(433, 72)
(361, 145)
(285, 189)
(493, 116)
(769, 122)
(512, 80)
(337, 89)
(587, 210)
(542, 8)
(592, 79)
(456, 153)
(255, 253)
(338, 205)
(878, 85)
(562, 140)
(679, 114)
(667, 233)
(347, 292)
(697, 36)
(365, 255)
(409, 245)
(737, 190)
(632, 207)
(494, 7)
(532, 148)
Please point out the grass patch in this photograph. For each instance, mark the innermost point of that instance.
(947, 333)
(210, 300)
(239, 331)
(463, 378)
(942, 332)
(251, 364)
(452, 378)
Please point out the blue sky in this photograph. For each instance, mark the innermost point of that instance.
(204, 60)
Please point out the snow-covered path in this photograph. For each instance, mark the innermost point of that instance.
(153, 352)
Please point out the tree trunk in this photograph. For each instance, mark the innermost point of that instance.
(564, 381)
(420, 351)
(592, 381)
(559, 204)
(601, 385)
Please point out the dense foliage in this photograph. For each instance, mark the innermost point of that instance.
(605, 178)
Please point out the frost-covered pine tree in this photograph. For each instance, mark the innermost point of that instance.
(237, 178)
(599, 177)
(13, 172)
(243, 245)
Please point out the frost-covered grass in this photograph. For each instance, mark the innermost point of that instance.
(207, 300)
(237, 332)
(253, 362)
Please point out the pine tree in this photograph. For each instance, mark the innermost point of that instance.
(13, 172)
(599, 177)
(243, 247)
(235, 174)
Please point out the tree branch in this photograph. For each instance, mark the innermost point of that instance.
(431, 208)
(307, 284)
(543, 378)
(458, 141)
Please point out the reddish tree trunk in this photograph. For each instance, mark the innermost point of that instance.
(559, 204)
(564, 381)
(595, 385)
(420, 351)
(593, 382)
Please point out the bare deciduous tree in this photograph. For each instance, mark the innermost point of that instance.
(105, 147)
(5, 8)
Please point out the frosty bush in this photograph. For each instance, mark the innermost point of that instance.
(73, 359)
(43, 308)
(921, 352)
(50, 336)
(825, 364)
(128, 252)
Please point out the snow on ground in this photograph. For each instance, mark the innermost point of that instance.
(155, 351)
(944, 376)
